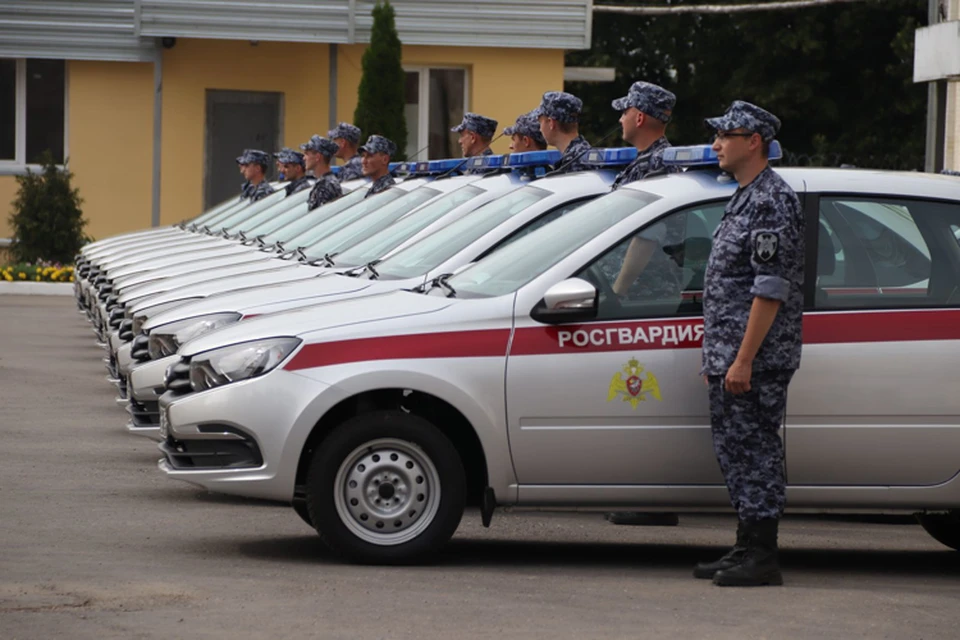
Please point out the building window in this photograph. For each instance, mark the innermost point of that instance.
(32, 110)
(436, 99)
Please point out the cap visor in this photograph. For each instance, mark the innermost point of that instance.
(620, 104)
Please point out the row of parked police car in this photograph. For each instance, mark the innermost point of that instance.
(382, 362)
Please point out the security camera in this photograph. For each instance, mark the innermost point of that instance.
(168, 43)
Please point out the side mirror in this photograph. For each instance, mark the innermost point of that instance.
(573, 300)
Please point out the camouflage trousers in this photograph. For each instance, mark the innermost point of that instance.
(747, 442)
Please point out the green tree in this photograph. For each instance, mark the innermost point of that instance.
(47, 220)
(839, 77)
(380, 103)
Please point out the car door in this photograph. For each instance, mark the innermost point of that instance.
(874, 402)
(619, 401)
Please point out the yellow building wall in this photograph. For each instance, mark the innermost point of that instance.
(8, 191)
(504, 83)
(298, 70)
(109, 145)
(110, 111)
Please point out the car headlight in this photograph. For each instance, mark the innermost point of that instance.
(145, 314)
(167, 338)
(238, 362)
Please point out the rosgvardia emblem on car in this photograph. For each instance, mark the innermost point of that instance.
(634, 388)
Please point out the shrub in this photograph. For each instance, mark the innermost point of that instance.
(46, 218)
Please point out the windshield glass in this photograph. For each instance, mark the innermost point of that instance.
(330, 224)
(381, 243)
(438, 247)
(213, 212)
(307, 219)
(365, 227)
(518, 263)
(254, 208)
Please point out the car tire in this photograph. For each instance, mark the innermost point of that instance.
(386, 488)
(942, 527)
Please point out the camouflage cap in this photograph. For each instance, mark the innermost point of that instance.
(481, 125)
(254, 156)
(649, 98)
(288, 156)
(324, 146)
(526, 125)
(379, 144)
(345, 130)
(748, 116)
(560, 105)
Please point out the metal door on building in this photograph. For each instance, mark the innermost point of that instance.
(237, 120)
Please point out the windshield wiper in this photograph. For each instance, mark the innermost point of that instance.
(441, 282)
(373, 272)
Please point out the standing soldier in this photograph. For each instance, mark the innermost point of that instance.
(476, 133)
(254, 164)
(294, 169)
(318, 152)
(644, 114)
(375, 160)
(752, 320)
(246, 189)
(347, 137)
(559, 116)
(525, 134)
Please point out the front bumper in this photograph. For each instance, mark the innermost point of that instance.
(145, 386)
(271, 417)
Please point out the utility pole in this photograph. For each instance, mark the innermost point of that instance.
(936, 108)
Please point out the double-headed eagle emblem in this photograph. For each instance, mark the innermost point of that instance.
(632, 386)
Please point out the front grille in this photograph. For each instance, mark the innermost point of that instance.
(177, 380)
(211, 454)
(144, 414)
(139, 350)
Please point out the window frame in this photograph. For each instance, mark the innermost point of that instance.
(812, 242)
(423, 98)
(18, 165)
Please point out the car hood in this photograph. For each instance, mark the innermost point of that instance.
(350, 314)
(159, 260)
(202, 273)
(222, 286)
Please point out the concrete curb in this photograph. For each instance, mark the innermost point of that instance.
(36, 288)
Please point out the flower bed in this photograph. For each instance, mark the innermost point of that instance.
(39, 272)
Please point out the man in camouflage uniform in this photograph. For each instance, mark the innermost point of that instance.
(476, 134)
(245, 188)
(644, 114)
(295, 170)
(559, 116)
(375, 160)
(318, 152)
(525, 134)
(254, 164)
(752, 320)
(347, 137)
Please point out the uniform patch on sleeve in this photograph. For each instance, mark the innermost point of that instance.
(766, 245)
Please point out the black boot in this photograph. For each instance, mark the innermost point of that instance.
(705, 570)
(761, 564)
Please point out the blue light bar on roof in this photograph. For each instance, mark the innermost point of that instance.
(704, 155)
(485, 162)
(335, 170)
(611, 157)
(532, 159)
(445, 166)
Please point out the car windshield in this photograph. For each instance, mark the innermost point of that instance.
(435, 249)
(368, 225)
(330, 224)
(311, 219)
(237, 219)
(518, 263)
(381, 243)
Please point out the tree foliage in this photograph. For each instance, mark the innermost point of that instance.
(380, 103)
(839, 77)
(46, 218)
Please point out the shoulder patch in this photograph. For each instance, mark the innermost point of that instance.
(766, 245)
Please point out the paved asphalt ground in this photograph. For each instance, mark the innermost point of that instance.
(96, 543)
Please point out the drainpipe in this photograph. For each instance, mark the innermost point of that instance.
(157, 122)
(333, 86)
